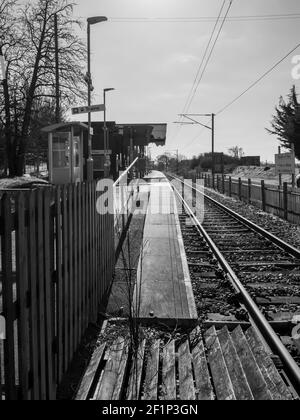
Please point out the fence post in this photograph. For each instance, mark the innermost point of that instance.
(240, 189)
(285, 200)
(182, 193)
(194, 193)
(223, 184)
(249, 191)
(230, 186)
(263, 195)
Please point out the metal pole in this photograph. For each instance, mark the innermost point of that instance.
(90, 159)
(213, 147)
(57, 94)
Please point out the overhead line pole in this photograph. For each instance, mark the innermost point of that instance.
(212, 128)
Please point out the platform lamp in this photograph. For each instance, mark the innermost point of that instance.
(90, 21)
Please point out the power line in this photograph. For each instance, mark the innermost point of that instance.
(258, 80)
(203, 58)
(210, 55)
(206, 18)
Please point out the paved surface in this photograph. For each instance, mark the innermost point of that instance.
(163, 289)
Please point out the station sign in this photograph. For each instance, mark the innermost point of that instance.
(87, 109)
(285, 163)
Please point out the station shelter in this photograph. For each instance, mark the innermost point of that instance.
(65, 152)
(68, 148)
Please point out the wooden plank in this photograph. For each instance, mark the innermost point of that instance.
(49, 304)
(186, 381)
(253, 374)
(41, 294)
(168, 372)
(83, 253)
(93, 186)
(101, 262)
(273, 379)
(151, 380)
(87, 266)
(66, 297)
(75, 265)
(90, 374)
(239, 381)
(278, 300)
(32, 276)
(71, 270)
(204, 389)
(90, 254)
(110, 376)
(219, 371)
(59, 283)
(121, 376)
(8, 299)
(134, 385)
(22, 290)
(96, 247)
(80, 276)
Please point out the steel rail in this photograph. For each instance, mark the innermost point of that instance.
(279, 242)
(292, 369)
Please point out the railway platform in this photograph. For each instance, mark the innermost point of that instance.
(163, 289)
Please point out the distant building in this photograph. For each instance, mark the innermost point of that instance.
(250, 161)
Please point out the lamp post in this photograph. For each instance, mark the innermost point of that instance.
(90, 21)
(212, 128)
(107, 162)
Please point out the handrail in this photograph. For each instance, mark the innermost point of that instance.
(125, 172)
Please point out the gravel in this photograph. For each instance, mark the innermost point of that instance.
(284, 230)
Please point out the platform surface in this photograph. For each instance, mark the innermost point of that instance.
(163, 290)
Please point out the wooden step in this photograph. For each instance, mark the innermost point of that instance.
(273, 379)
(237, 375)
(218, 367)
(253, 374)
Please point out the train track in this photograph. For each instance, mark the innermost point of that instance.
(243, 274)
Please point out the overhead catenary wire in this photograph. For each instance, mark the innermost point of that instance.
(203, 58)
(199, 68)
(209, 57)
(258, 80)
(196, 85)
(240, 18)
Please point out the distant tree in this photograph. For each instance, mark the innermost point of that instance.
(286, 122)
(236, 152)
(43, 114)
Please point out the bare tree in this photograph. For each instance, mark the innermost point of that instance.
(236, 152)
(29, 49)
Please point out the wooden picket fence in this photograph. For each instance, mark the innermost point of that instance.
(57, 262)
(281, 201)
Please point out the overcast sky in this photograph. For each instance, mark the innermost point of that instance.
(152, 66)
